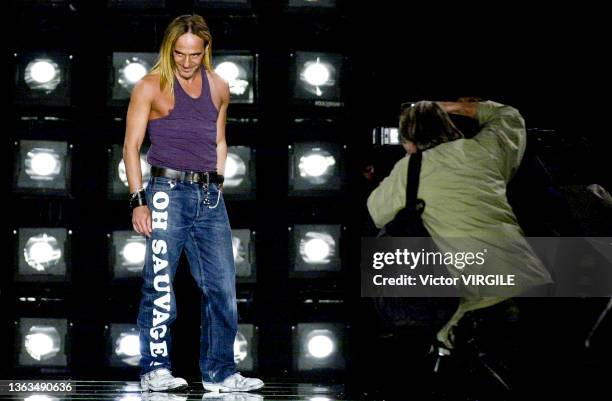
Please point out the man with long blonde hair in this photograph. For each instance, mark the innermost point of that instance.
(182, 103)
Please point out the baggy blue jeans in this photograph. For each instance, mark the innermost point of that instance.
(192, 217)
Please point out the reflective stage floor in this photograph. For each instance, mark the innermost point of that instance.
(130, 391)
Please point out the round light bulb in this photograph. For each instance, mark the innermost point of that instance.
(316, 249)
(134, 72)
(44, 164)
(320, 346)
(129, 345)
(134, 252)
(41, 252)
(228, 71)
(43, 72)
(38, 345)
(231, 167)
(314, 165)
(316, 74)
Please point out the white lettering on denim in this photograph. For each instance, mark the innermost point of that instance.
(163, 302)
(158, 264)
(159, 349)
(159, 317)
(158, 332)
(159, 246)
(160, 220)
(161, 279)
(161, 200)
(161, 282)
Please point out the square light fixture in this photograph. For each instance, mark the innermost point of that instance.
(43, 78)
(118, 187)
(42, 342)
(239, 70)
(43, 254)
(123, 345)
(315, 168)
(127, 256)
(42, 167)
(315, 250)
(318, 346)
(317, 78)
(243, 246)
(127, 70)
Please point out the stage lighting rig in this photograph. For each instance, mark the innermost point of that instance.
(239, 70)
(43, 254)
(42, 342)
(127, 70)
(318, 346)
(127, 255)
(315, 250)
(315, 168)
(42, 167)
(43, 78)
(317, 79)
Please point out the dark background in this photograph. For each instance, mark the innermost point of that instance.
(544, 62)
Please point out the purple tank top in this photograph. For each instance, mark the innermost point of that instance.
(186, 139)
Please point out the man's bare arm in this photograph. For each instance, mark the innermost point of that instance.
(136, 127)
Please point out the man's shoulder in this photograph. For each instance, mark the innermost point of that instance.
(220, 85)
(148, 86)
(216, 77)
(218, 80)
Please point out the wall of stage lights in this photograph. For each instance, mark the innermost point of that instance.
(46, 343)
(44, 256)
(43, 170)
(44, 79)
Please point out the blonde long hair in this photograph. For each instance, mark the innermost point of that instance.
(165, 65)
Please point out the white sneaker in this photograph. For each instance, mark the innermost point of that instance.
(235, 382)
(161, 380)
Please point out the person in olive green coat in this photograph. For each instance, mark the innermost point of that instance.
(463, 183)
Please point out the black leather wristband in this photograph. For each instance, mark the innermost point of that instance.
(138, 199)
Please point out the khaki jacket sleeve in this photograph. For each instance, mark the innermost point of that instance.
(390, 196)
(502, 133)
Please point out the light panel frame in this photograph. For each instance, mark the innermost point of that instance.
(24, 181)
(303, 361)
(315, 186)
(60, 273)
(24, 95)
(247, 63)
(26, 326)
(298, 266)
